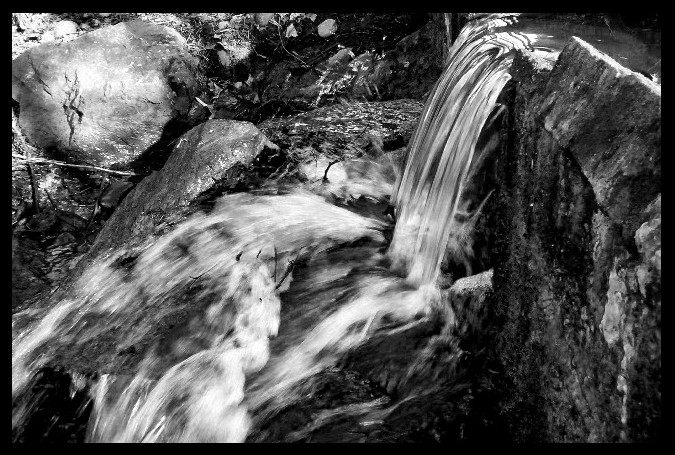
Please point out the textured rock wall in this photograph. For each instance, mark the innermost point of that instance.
(577, 287)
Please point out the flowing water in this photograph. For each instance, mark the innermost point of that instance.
(266, 291)
(427, 196)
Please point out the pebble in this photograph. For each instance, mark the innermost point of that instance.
(327, 28)
(224, 58)
(64, 238)
(262, 19)
(63, 28)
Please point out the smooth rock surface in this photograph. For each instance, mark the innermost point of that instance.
(107, 96)
(327, 28)
(63, 28)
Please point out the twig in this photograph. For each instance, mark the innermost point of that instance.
(204, 273)
(33, 184)
(26, 158)
(275, 263)
(104, 177)
(325, 174)
(289, 269)
(78, 166)
(281, 40)
(49, 196)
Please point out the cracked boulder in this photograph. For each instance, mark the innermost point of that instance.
(108, 96)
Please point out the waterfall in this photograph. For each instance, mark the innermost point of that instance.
(443, 147)
(250, 331)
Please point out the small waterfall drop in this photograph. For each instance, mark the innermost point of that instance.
(252, 330)
(443, 147)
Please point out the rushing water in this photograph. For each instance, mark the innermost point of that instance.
(427, 195)
(243, 343)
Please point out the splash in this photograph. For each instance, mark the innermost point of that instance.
(217, 278)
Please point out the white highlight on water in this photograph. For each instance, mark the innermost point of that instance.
(442, 148)
(218, 376)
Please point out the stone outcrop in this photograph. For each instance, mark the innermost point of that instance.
(107, 96)
(210, 157)
(577, 284)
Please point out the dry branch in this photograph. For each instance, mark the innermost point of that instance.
(77, 166)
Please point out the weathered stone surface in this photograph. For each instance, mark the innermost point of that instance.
(107, 96)
(210, 156)
(576, 287)
(610, 119)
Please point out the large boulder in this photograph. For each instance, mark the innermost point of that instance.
(577, 305)
(208, 158)
(107, 96)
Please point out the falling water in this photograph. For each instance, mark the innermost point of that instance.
(442, 149)
(243, 343)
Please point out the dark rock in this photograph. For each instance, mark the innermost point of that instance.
(576, 289)
(209, 157)
(26, 271)
(107, 96)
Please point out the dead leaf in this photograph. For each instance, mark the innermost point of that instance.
(291, 32)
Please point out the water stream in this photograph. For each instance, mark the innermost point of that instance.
(266, 291)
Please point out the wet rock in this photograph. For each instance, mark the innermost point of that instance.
(262, 19)
(63, 28)
(208, 158)
(107, 96)
(114, 193)
(326, 28)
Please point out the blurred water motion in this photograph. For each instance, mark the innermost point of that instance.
(200, 337)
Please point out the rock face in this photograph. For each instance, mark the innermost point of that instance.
(613, 110)
(107, 96)
(577, 304)
(207, 158)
